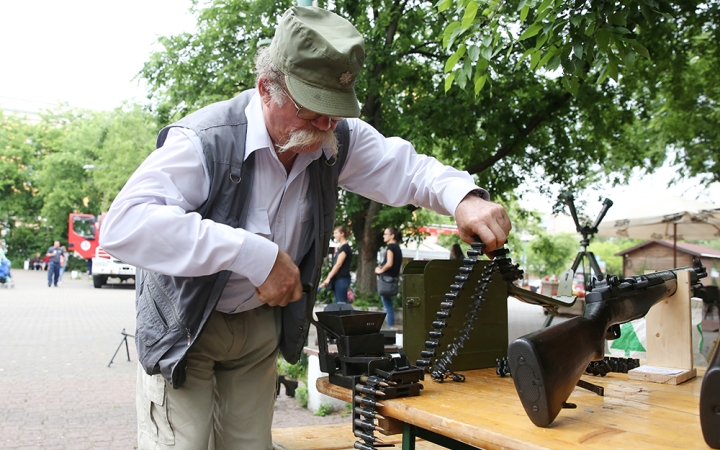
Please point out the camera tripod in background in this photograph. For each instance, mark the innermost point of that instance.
(587, 232)
(127, 348)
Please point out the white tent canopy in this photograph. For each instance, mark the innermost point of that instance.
(425, 250)
(662, 217)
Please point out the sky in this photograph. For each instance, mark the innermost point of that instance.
(86, 53)
(640, 188)
(83, 52)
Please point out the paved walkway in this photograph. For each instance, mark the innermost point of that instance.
(56, 390)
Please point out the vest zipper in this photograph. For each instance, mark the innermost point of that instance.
(172, 309)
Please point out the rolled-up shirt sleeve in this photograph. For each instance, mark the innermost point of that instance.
(150, 223)
(388, 170)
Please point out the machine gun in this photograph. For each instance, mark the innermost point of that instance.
(547, 364)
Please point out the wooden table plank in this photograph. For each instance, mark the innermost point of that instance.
(486, 412)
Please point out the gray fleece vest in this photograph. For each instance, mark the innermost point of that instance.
(172, 311)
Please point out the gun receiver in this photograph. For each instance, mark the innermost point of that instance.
(547, 364)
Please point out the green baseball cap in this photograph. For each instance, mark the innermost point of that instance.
(321, 55)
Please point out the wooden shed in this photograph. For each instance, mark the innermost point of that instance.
(658, 255)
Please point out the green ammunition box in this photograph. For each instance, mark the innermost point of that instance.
(425, 284)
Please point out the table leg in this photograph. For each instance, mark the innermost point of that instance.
(410, 432)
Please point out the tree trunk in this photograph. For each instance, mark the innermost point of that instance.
(368, 242)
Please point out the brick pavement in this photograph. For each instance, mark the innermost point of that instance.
(56, 391)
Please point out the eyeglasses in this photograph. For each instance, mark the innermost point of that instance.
(306, 114)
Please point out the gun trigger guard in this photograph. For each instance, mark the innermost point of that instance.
(613, 332)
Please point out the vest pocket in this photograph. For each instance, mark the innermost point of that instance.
(152, 324)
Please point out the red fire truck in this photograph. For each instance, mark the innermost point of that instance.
(83, 237)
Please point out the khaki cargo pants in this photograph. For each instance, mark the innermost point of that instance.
(229, 393)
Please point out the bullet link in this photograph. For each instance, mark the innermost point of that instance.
(368, 390)
(368, 426)
(367, 437)
(370, 403)
(376, 381)
(367, 413)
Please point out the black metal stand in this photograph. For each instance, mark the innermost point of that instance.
(587, 231)
(127, 348)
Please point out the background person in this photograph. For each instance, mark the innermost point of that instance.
(222, 252)
(63, 262)
(339, 276)
(456, 252)
(55, 254)
(37, 263)
(391, 265)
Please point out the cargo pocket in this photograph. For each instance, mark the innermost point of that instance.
(153, 423)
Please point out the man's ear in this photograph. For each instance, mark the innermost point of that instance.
(263, 91)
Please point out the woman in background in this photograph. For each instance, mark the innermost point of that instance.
(390, 266)
(339, 276)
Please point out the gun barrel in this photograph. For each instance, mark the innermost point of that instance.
(534, 298)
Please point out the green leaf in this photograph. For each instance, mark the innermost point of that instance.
(479, 83)
(535, 59)
(540, 41)
(449, 81)
(642, 51)
(545, 59)
(612, 69)
(531, 31)
(554, 63)
(523, 14)
(442, 5)
(474, 53)
(486, 52)
(469, 16)
(602, 37)
(451, 61)
(543, 6)
(461, 78)
(450, 33)
(578, 51)
(527, 53)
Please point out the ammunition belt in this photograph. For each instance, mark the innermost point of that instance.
(366, 398)
(439, 367)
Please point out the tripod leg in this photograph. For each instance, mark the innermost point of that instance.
(127, 348)
(118, 349)
(576, 263)
(595, 266)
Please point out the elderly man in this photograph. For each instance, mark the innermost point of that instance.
(233, 213)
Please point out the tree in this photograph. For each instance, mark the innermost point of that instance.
(44, 172)
(530, 125)
(552, 254)
(662, 57)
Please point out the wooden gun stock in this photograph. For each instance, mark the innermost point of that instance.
(710, 403)
(547, 364)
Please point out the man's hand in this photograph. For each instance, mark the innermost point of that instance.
(489, 221)
(282, 285)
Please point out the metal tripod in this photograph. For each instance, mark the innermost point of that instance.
(127, 348)
(587, 232)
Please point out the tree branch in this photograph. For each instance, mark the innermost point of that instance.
(532, 124)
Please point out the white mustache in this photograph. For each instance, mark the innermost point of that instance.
(310, 138)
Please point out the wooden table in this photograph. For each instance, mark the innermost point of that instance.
(485, 412)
